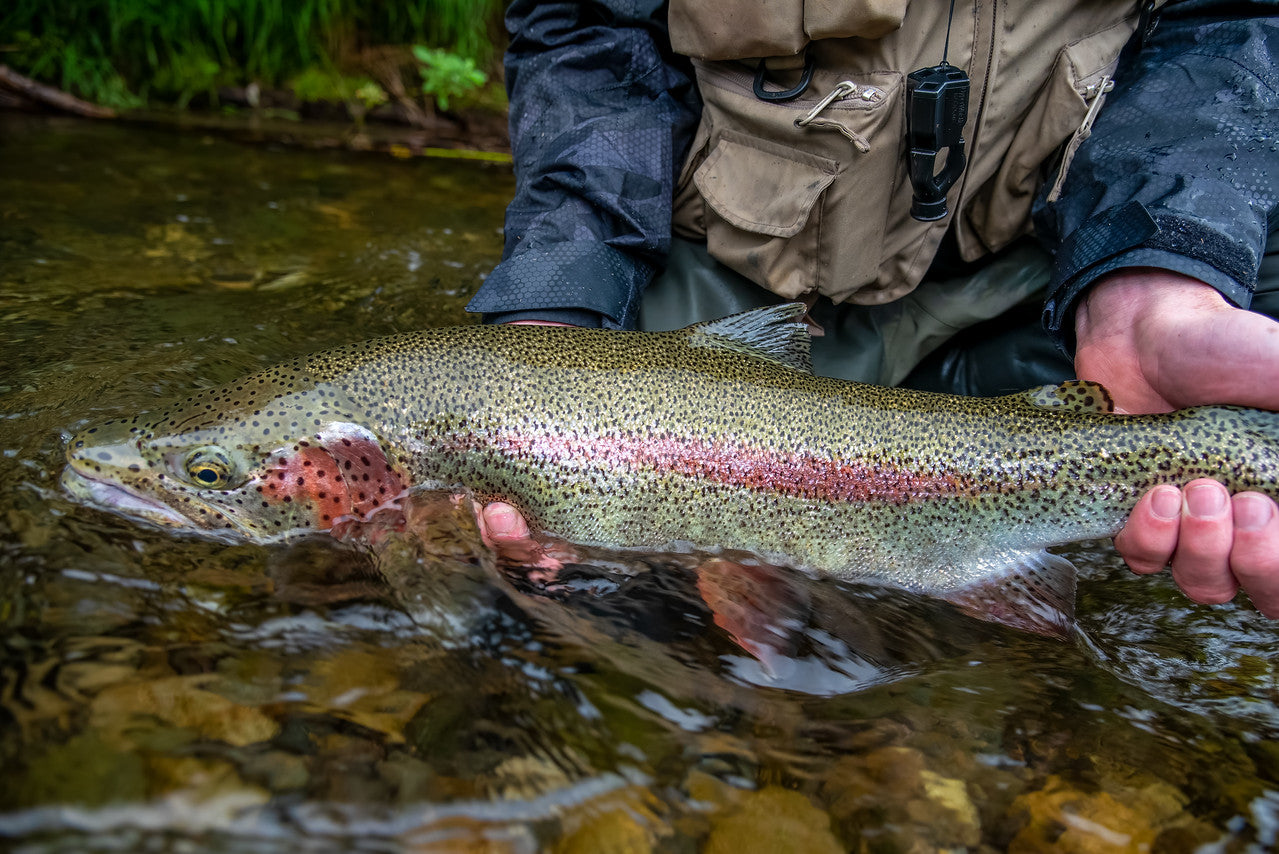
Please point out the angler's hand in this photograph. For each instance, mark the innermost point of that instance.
(1161, 341)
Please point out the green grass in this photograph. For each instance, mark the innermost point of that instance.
(124, 53)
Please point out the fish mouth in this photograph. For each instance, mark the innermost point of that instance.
(121, 499)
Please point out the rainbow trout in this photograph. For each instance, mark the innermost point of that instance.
(717, 435)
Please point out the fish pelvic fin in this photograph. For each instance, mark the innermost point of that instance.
(1072, 396)
(1036, 594)
(758, 605)
(775, 333)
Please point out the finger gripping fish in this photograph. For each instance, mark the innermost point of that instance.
(717, 435)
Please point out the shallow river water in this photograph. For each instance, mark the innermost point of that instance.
(168, 693)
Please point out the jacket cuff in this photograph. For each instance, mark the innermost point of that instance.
(580, 282)
(1128, 236)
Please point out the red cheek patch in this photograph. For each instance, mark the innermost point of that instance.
(308, 475)
(345, 475)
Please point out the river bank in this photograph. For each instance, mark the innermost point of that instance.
(402, 129)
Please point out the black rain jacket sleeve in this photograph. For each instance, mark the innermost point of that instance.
(601, 117)
(1181, 171)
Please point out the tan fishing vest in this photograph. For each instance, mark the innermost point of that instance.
(825, 208)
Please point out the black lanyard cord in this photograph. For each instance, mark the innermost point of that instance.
(945, 51)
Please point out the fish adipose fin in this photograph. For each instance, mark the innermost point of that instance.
(1036, 594)
(775, 333)
(1073, 396)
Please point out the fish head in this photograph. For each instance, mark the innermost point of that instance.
(251, 459)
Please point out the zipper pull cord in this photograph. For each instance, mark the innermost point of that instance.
(842, 90)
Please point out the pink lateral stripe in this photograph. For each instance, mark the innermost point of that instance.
(793, 474)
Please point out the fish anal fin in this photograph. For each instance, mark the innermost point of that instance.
(1073, 396)
(1035, 594)
(776, 333)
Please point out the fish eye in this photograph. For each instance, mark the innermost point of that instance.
(209, 467)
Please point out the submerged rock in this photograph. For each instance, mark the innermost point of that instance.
(183, 702)
(1063, 818)
(776, 820)
(617, 832)
(890, 794)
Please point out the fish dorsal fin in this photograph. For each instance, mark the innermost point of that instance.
(1034, 592)
(774, 333)
(1073, 396)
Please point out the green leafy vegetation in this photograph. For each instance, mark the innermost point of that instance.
(130, 53)
(319, 84)
(70, 67)
(446, 75)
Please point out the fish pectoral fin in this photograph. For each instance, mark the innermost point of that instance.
(1072, 396)
(1035, 593)
(776, 333)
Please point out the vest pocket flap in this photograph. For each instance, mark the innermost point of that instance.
(762, 187)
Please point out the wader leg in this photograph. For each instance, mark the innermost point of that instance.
(879, 344)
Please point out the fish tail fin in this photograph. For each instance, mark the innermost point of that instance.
(1036, 593)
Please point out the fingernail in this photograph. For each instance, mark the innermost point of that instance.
(1252, 512)
(1165, 502)
(1206, 501)
(500, 520)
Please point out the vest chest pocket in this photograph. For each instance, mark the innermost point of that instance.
(796, 209)
(760, 198)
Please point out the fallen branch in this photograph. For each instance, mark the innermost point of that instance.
(49, 96)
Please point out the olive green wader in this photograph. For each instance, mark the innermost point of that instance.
(975, 333)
